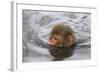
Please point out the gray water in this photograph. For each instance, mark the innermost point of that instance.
(36, 31)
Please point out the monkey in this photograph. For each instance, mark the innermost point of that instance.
(63, 41)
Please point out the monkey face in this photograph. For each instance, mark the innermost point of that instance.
(61, 36)
(55, 40)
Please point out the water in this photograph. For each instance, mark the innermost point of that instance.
(36, 31)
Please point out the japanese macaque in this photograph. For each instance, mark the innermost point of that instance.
(62, 39)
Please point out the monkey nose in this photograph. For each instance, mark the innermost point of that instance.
(52, 42)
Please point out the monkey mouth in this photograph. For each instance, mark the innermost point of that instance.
(52, 42)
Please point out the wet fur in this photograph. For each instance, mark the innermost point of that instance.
(65, 46)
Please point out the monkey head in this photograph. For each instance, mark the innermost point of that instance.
(61, 35)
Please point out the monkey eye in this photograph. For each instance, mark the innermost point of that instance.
(51, 37)
(55, 38)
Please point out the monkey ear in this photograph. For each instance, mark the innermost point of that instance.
(69, 41)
